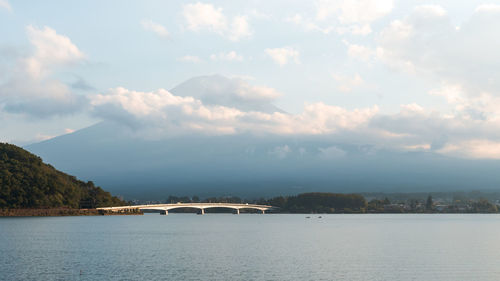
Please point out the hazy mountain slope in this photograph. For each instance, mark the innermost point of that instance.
(250, 165)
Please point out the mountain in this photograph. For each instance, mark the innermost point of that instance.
(138, 166)
(27, 182)
(249, 165)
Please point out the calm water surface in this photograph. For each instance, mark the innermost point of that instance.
(251, 247)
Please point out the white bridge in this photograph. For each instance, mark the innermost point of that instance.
(164, 208)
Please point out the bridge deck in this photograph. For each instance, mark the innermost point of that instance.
(164, 208)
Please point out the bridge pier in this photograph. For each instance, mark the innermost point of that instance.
(263, 211)
(163, 212)
(201, 212)
(236, 211)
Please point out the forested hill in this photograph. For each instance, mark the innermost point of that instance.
(27, 182)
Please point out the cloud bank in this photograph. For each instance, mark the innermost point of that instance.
(161, 113)
(206, 17)
(166, 112)
(344, 16)
(30, 88)
(283, 56)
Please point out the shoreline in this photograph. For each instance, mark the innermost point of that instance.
(61, 212)
(64, 212)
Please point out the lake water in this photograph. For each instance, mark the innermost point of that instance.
(251, 247)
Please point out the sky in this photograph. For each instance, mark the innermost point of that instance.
(404, 75)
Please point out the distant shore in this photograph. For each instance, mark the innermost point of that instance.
(60, 212)
(63, 212)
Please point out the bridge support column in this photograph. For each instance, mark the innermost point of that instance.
(236, 211)
(263, 211)
(201, 212)
(164, 212)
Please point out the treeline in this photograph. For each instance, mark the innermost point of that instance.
(27, 182)
(329, 203)
(315, 202)
(428, 205)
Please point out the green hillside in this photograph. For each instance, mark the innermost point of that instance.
(27, 182)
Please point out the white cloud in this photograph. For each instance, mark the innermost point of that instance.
(308, 24)
(162, 111)
(51, 49)
(159, 29)
(229, 56)
(483, 106)
(191, 59)
(169, 113)
(427, 42)
(260, 15)
(282, 56)
(476, 148)
(354, 16)
(140, 103)
(430, 11)
(347, 83)
(454, 135)
(364, 29)
(240, 28)
(487, 8)
(6, 5)
(463, 61)
(201, 16)
(40, 98)
(353, 11)
(359, 52)
(234, 92)
(344, 16)
(454, 94)
(30, 87)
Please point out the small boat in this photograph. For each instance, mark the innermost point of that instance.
(319, 217)
(308, 217)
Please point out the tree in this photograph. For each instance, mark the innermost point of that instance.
(27, 182)
(429, 203)
(413, 204)
(317, 202)
(484, 206)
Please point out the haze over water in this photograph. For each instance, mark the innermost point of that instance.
(251, 247)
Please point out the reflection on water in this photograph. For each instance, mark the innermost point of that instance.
(251, 247)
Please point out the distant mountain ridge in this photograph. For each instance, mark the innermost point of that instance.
(27, 182)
